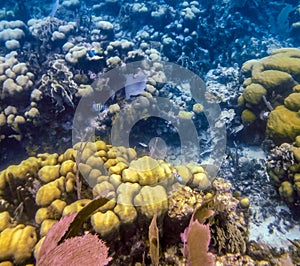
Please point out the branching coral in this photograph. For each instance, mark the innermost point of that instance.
(58, 84)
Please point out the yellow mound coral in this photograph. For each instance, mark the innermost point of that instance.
(151, 200)
(5, 220)
(283, 123)
(50, 192)
(286, 191)
(254, 93)
(284, 59)
(75, 206)
(146, 171)
(292, 102)
(193, 175)
(49, 173)
(136, 188)
(248, 117)
(46, 226)
(105, 223)
(53, 211)
(17, 243)
(273, 82)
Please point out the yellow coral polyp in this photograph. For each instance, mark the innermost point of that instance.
(53, 211)
(107, 190)
(29, 166)
(46, 226)
(114, 179)
(273, 78)
(292, 102)
(248, 117)
(284, 59)
(70, 182)
(105, 223)
(130, 175)
(126, 192)
(118, 168)
(100, 145)
(37, 248)
(286, 191)
(110, 162)
(184, 173)
(69, 154)
(48, 159)
(126, 213)
(66, 167)
(84, 169)
(296, 88)
(41, 215)
(253, 93)
(245, 202)
(146, 171)
(17, 243)
(95, 162)
(50, 192)
(5, 220)
(49, 173)
(75, 206)
(85, 154)
(151, 200)
(198, 108)
(2, 180)
(283, 123)
(296, 153)
(201, 181)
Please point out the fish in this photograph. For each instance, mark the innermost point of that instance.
(143, 144)
(98, 107)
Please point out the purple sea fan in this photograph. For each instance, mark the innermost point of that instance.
(196, 238)
(79, 250)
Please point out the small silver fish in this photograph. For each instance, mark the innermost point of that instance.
(178, 177)
(143, 144)
(98, 107)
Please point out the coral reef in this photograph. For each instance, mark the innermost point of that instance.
(55, 54)
(284, 170)
(138, 189)
(50, 30)
(271, 91)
